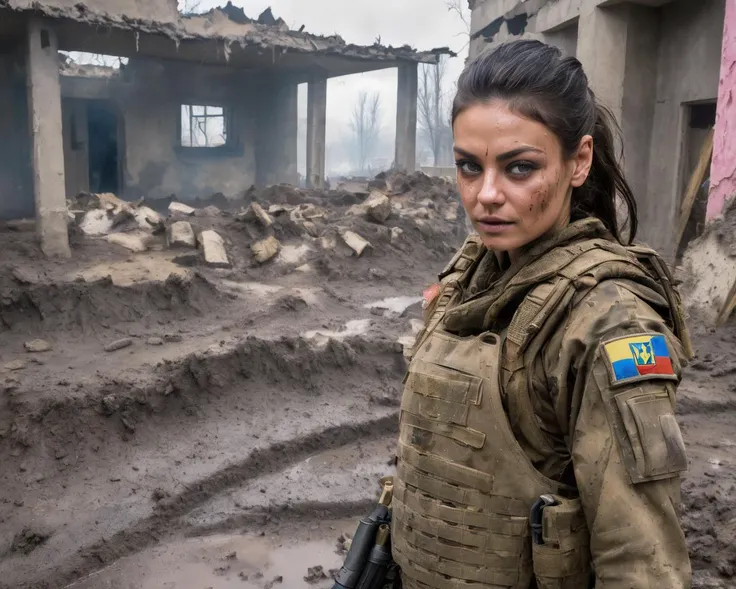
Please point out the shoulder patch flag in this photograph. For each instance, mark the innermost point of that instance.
(638, 357)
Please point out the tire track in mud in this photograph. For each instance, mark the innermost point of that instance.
(163, 523)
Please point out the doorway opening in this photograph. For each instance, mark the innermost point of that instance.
(104, 147)
(700, 118)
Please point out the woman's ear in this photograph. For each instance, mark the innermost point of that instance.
(583, 160)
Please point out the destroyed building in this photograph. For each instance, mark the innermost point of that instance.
(204, 104)
(656, 64)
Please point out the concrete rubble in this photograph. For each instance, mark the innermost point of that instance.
(181, 234)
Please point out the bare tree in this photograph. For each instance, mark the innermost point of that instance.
(366, 124)
(189, 6)
(459, 7)
(433, 111)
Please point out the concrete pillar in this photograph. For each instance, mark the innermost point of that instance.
(406, 117)
(618, 47)
(723, 166)
(316, 132)
(44, 102)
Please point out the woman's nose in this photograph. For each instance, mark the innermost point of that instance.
(490, 192)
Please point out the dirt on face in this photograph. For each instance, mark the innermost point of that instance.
(168, 421)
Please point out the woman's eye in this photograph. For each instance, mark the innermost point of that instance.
(468, 167)
(521, 169)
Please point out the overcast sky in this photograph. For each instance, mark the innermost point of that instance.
(423, 24)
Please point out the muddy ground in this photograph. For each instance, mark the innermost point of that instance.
(243, 427)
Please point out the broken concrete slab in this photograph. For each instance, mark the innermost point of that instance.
(37, 346)
(311, 228)
(181, 209)
(213, 247)
(208, 211)
(136, 242)
(376, 207)
(96, 222)
(14, 365)
(180, 234)
(356, 242)
(265, 249)
(149, 219)
(119, 344)
(261, 215)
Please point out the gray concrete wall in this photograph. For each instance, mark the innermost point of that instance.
(16, 177)
(155, 166)
(688, 69)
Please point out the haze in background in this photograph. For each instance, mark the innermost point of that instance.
(423, 24)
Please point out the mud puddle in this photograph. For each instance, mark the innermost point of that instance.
(228, 561)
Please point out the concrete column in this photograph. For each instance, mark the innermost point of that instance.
(406, 117)
(316, 132)
(618, 47)
(723, 166)
(44, 102)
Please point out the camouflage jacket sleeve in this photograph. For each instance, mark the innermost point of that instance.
(614, 367)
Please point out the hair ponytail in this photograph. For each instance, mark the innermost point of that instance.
(539, 83)
(606, 181)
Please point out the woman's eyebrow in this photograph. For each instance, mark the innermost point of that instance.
(518, 151)
(463, 153)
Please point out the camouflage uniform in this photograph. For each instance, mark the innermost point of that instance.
(554, 376)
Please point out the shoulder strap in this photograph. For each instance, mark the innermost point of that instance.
(657, 266)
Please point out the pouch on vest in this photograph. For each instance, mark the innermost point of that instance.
(563, 560)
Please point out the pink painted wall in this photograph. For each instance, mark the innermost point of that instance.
(723, 167)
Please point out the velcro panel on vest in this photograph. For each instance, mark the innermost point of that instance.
(474, 499)
(429, 380)
(462, 435)
(437, 409)
(436, 568)
(456, 473)
(459, 534)
(548, 265)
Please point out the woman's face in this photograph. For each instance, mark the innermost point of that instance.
(514, 182)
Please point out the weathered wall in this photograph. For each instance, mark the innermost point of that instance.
(156, 10)
(688, 70)
(76, 152)
(276, 105)
(16, 179)
(723, 170)
(155, 167)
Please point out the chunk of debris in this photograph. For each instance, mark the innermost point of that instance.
(15, 365)
(181, 208)
(315, 574)
(26, 275)
(356, 242)
(37, 345)
(155, 341)
(213, 248)
(396, 233)
(376, 207)
(96, 222)
(311, 228)
(265, 249)
(118, 344)
(27, 540)
(149, 219)
(180, 234)
(278, 209)
(137, 241)
(328, 242)
(261, 215)
(208, 211)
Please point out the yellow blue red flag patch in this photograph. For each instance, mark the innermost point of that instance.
(638, 357)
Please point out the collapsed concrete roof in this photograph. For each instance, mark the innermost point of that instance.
(222, 35)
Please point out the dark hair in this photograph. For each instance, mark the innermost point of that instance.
(539, 83)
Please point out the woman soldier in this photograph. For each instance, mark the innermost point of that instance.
(538, 442)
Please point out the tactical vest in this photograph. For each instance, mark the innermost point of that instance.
(464, 486)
